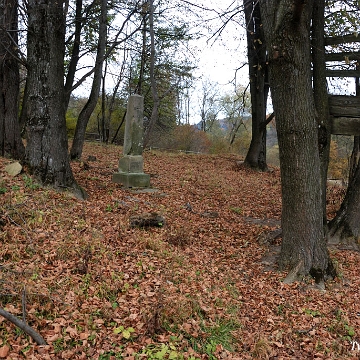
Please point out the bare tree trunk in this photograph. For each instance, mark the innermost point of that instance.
(354, 159)
(23, 111)
(47, 146)
(321, 95)
(345, 227)
(155, 96)
(355, 154)
(74, 53)
(118, 128)
(10, 138)
(84, 116)
(256, 156)
(144, 14)
(287, 33)
(102, 125)
(113, 98)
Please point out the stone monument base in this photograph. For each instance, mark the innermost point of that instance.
(132, 180)
(131, 164)
(131, 173)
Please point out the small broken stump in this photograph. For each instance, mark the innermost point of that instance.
(147, 220)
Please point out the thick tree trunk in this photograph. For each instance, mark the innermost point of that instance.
(84, 116)
(47, 148)
(287, 33)
(355, 154)
(354, 158)
(345, 227)
(10, 139)
(256, 155)
(321, 95)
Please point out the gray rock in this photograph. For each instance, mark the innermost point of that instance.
(13, 169)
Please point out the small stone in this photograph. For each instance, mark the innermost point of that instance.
(13, 169)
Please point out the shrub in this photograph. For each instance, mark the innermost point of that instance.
(189, 138)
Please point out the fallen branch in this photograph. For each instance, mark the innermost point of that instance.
(23, 326)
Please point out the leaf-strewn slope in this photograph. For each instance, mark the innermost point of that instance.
(202, 286)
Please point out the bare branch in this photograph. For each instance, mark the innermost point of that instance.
(23, 326)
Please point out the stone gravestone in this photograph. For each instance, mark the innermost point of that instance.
(131, 173)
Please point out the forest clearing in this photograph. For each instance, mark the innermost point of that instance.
(201, 285)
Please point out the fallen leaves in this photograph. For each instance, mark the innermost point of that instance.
(196, 287)
(4, 351)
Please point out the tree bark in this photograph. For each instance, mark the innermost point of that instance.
(10, 139)
(354, 159)
(321, 95)
(84, 116)
(355, 154)
(102, 118)
(287, 34)
(345, 227)
(256, 155)
(47, 147)
(74, 53)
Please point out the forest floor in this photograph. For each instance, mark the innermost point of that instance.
(203, 285)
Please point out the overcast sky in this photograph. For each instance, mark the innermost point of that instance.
(221, 58)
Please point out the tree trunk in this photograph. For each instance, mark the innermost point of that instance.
(321, 95)
(10, 138)
(103, 126)
(287, 33)
(74, 53)
(155, 96)
(46, 150)
(84, 116)
(144, 14)
(355, 154)
(354, 159)
(256, 156)
(345, 227)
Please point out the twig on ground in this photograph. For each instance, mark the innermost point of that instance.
(23, 303)
(23, 326)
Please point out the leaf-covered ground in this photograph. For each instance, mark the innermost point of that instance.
(203, 286)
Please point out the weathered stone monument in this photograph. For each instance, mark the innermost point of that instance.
(131, 173)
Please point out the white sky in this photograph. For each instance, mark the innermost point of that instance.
(220, 58)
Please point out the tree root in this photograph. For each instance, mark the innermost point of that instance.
(294, 274)
(23, 326)
(297, 274)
